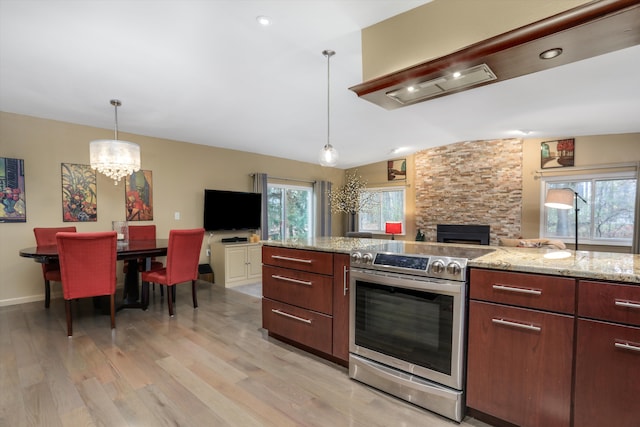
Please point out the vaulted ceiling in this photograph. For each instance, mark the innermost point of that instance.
(206, 72)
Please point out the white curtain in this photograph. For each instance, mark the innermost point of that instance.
(260, 182)
(321, 191)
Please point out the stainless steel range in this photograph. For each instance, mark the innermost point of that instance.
(407, 322)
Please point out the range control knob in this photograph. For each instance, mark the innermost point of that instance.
(356, 257)
(437, 267)
(454, 268)
(367, 258)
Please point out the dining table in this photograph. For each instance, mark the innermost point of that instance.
(133, 251)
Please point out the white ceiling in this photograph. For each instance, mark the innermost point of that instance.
(205, 72)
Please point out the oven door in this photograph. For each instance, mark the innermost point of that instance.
(412, 324)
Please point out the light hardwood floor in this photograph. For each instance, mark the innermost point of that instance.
(214, 366)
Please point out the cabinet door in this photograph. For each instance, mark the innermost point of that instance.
(607, 375)
(235, 263)
(341, 307)
(254, 256)
(519, 364)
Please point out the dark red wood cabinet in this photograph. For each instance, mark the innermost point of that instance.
(607, 383)
(306, 299)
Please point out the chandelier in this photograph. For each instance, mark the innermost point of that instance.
(114, 158)
(328, 154)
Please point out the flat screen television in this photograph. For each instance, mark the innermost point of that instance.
(231, 210)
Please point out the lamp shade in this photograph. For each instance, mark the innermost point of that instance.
(393, 227)
(560, 198)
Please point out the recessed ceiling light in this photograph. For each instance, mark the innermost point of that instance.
(551, 53)
(457, 74)
(264, 20)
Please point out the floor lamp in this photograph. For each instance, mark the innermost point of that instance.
(564, 198)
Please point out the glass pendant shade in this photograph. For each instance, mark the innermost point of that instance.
(328, 156)
(112, 157)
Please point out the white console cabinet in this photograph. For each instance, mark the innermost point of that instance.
(236, 264)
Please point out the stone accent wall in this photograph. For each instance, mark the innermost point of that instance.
(475, 182)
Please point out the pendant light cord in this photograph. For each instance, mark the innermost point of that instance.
(116, 103)
(328, 54)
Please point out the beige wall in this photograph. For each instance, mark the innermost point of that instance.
(180, 173)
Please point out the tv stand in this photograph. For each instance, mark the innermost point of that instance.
(234, 239)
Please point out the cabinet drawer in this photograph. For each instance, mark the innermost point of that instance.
(298, 259)
(609, 301)
(525, 290)
(299, 288)
(607, 375)
(303, 326)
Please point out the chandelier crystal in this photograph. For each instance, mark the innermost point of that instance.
(112, 157)
(328, 154)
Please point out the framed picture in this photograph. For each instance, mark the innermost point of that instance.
(138, 190)
(397, 170)
(79, 193)
(13, 204)
(557, 154)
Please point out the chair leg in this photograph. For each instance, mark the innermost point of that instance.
(67, 307)
(193, 294)
(170, 300)
(112, 297)
(47, 293)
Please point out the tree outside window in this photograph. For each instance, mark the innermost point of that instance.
(289, 211)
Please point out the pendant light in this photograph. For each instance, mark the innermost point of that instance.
(112, 157)
(328, 154)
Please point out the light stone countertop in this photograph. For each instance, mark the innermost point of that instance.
(581, 264)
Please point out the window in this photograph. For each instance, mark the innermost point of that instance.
(388, 206)
(606, 219)
(289, 211)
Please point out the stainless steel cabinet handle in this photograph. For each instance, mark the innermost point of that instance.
(291, 316)
(627, 346)
(345, 286)
(289, 279)
(627, 304)
(286, 258)
(517, 290)
(528, 327)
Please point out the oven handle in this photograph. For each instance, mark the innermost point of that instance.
(517, 290)
(288, 279)
(528, 327)
(345, 283)
(291, 316)
(286, 258)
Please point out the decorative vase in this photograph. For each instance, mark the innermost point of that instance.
(352, 221)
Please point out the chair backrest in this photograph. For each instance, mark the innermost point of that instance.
(183, 254)
(87, 263)
(142, 232)
(46, 236)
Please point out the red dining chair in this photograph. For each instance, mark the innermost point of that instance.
(87, 268)
(46, 236)
(143, 232)
(183, 255)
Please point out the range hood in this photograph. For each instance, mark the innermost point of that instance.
(583, 32)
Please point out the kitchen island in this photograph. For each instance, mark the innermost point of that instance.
(553, 336)
(610, 266)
